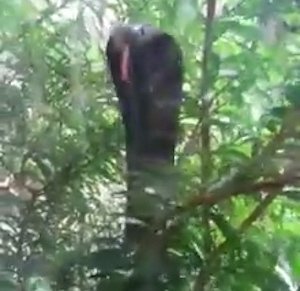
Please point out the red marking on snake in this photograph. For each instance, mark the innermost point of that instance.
(124, 65)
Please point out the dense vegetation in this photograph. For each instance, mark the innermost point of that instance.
(62, 176)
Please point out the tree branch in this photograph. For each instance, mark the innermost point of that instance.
(206, 159)
(205, 272)
(241, 180)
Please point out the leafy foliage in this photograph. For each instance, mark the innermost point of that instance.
(62, 146)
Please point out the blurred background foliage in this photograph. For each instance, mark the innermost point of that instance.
(62, 144)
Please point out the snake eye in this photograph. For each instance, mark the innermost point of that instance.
(140, 29)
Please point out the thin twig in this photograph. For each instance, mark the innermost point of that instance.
(241, 179)
(206, 271)
(206, 158)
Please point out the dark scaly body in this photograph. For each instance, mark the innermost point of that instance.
(149, 92)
